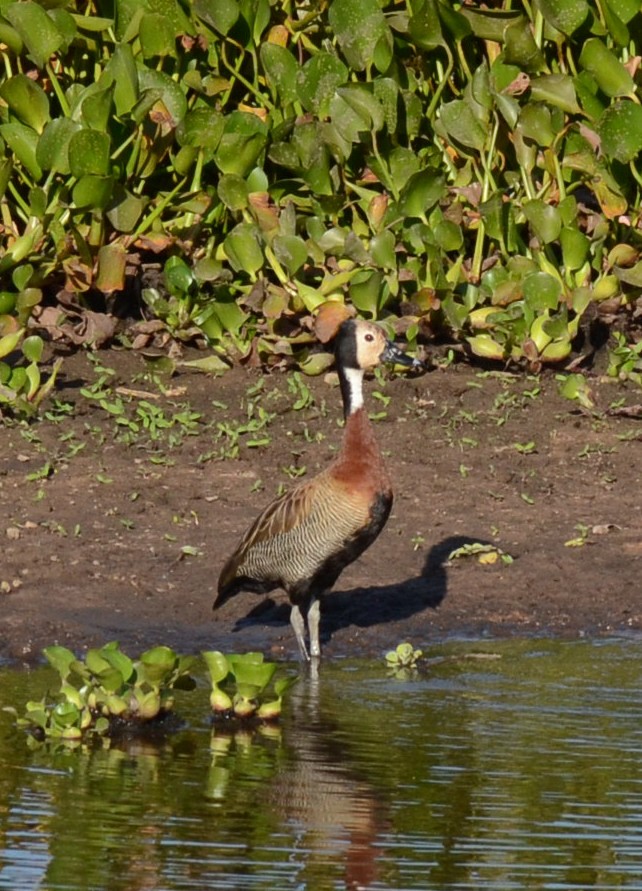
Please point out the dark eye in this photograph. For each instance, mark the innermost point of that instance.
(369, 337)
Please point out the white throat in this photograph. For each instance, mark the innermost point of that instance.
(354, 381)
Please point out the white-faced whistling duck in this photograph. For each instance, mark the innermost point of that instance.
(304, 539)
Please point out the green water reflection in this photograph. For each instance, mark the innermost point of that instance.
(519, 772)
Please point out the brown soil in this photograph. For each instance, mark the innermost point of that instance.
(92, 552)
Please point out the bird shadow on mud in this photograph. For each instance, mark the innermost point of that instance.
(375, 605)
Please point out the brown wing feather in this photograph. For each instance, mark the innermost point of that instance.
(280, 516)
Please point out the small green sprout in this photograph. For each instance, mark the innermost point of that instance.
(485, 553)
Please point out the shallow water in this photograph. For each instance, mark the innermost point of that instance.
(504, 765)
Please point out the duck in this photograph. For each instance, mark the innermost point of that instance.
(304, 539)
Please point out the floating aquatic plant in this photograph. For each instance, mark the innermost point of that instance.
(245, 686)
(405, 657)
(107, 689)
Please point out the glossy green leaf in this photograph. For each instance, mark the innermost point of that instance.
(282, 71)
(317, 81)
(575, 247)
(564, 15)
(556, 89)
(201, 127)
(535, 123)
(520, 47)
(365, 291)
(124, 209)
(171, 94)
(541, 291)
(178, 276)
(610, 74)
(545, 220)
(461, 124)
(121, 67)
(422, 191)
(233, 191)
(59, 658)
(36, 30)
(32, 348)
(157, 36)
(89, 153)
(424, 26)
(382, 249)
(620, 129)
(220, 14)
(358, 26)
(23, 142)
(243, 249)
(489, 24)
(625, 10)
(93, 192)
(364, 104)
(242, 142)
(291, 251)
(27, 100)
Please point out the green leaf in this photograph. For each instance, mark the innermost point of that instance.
(157, 36)
(620, 129)
(382, 249)
(318, 80)
(66, 714)
(424, 26)
(422, 191)
(32, 348)
(364, 104)
(291, 251)
(541, 291)
(60, 658)
(27, 100)
(282, 70)
(89, 153)
(52, 151)
(564, 15)
(217, 665)
(545, 220)
(233, 191)
(461, 124)
(36, 29)
(178, 276)
(121, 67)
(556, 89)
(220, 14)
(610, 74)
(365, 291)
(171, 93)
(521, 48)
(244, 138)
(93, 192)
(243, 249)
(358, 26)
(575, 247)
(23, 142)
(124, 210)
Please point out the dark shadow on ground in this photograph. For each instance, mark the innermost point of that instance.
(367, 607)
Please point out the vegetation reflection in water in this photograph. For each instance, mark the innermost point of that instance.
(512, 773)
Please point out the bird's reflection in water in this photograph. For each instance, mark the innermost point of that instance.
(324, 798)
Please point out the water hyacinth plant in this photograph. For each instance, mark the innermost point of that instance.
(245, 687)
(107, 689)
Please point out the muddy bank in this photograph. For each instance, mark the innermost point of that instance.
(116, 523)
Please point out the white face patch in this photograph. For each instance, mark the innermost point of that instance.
(354, 377)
